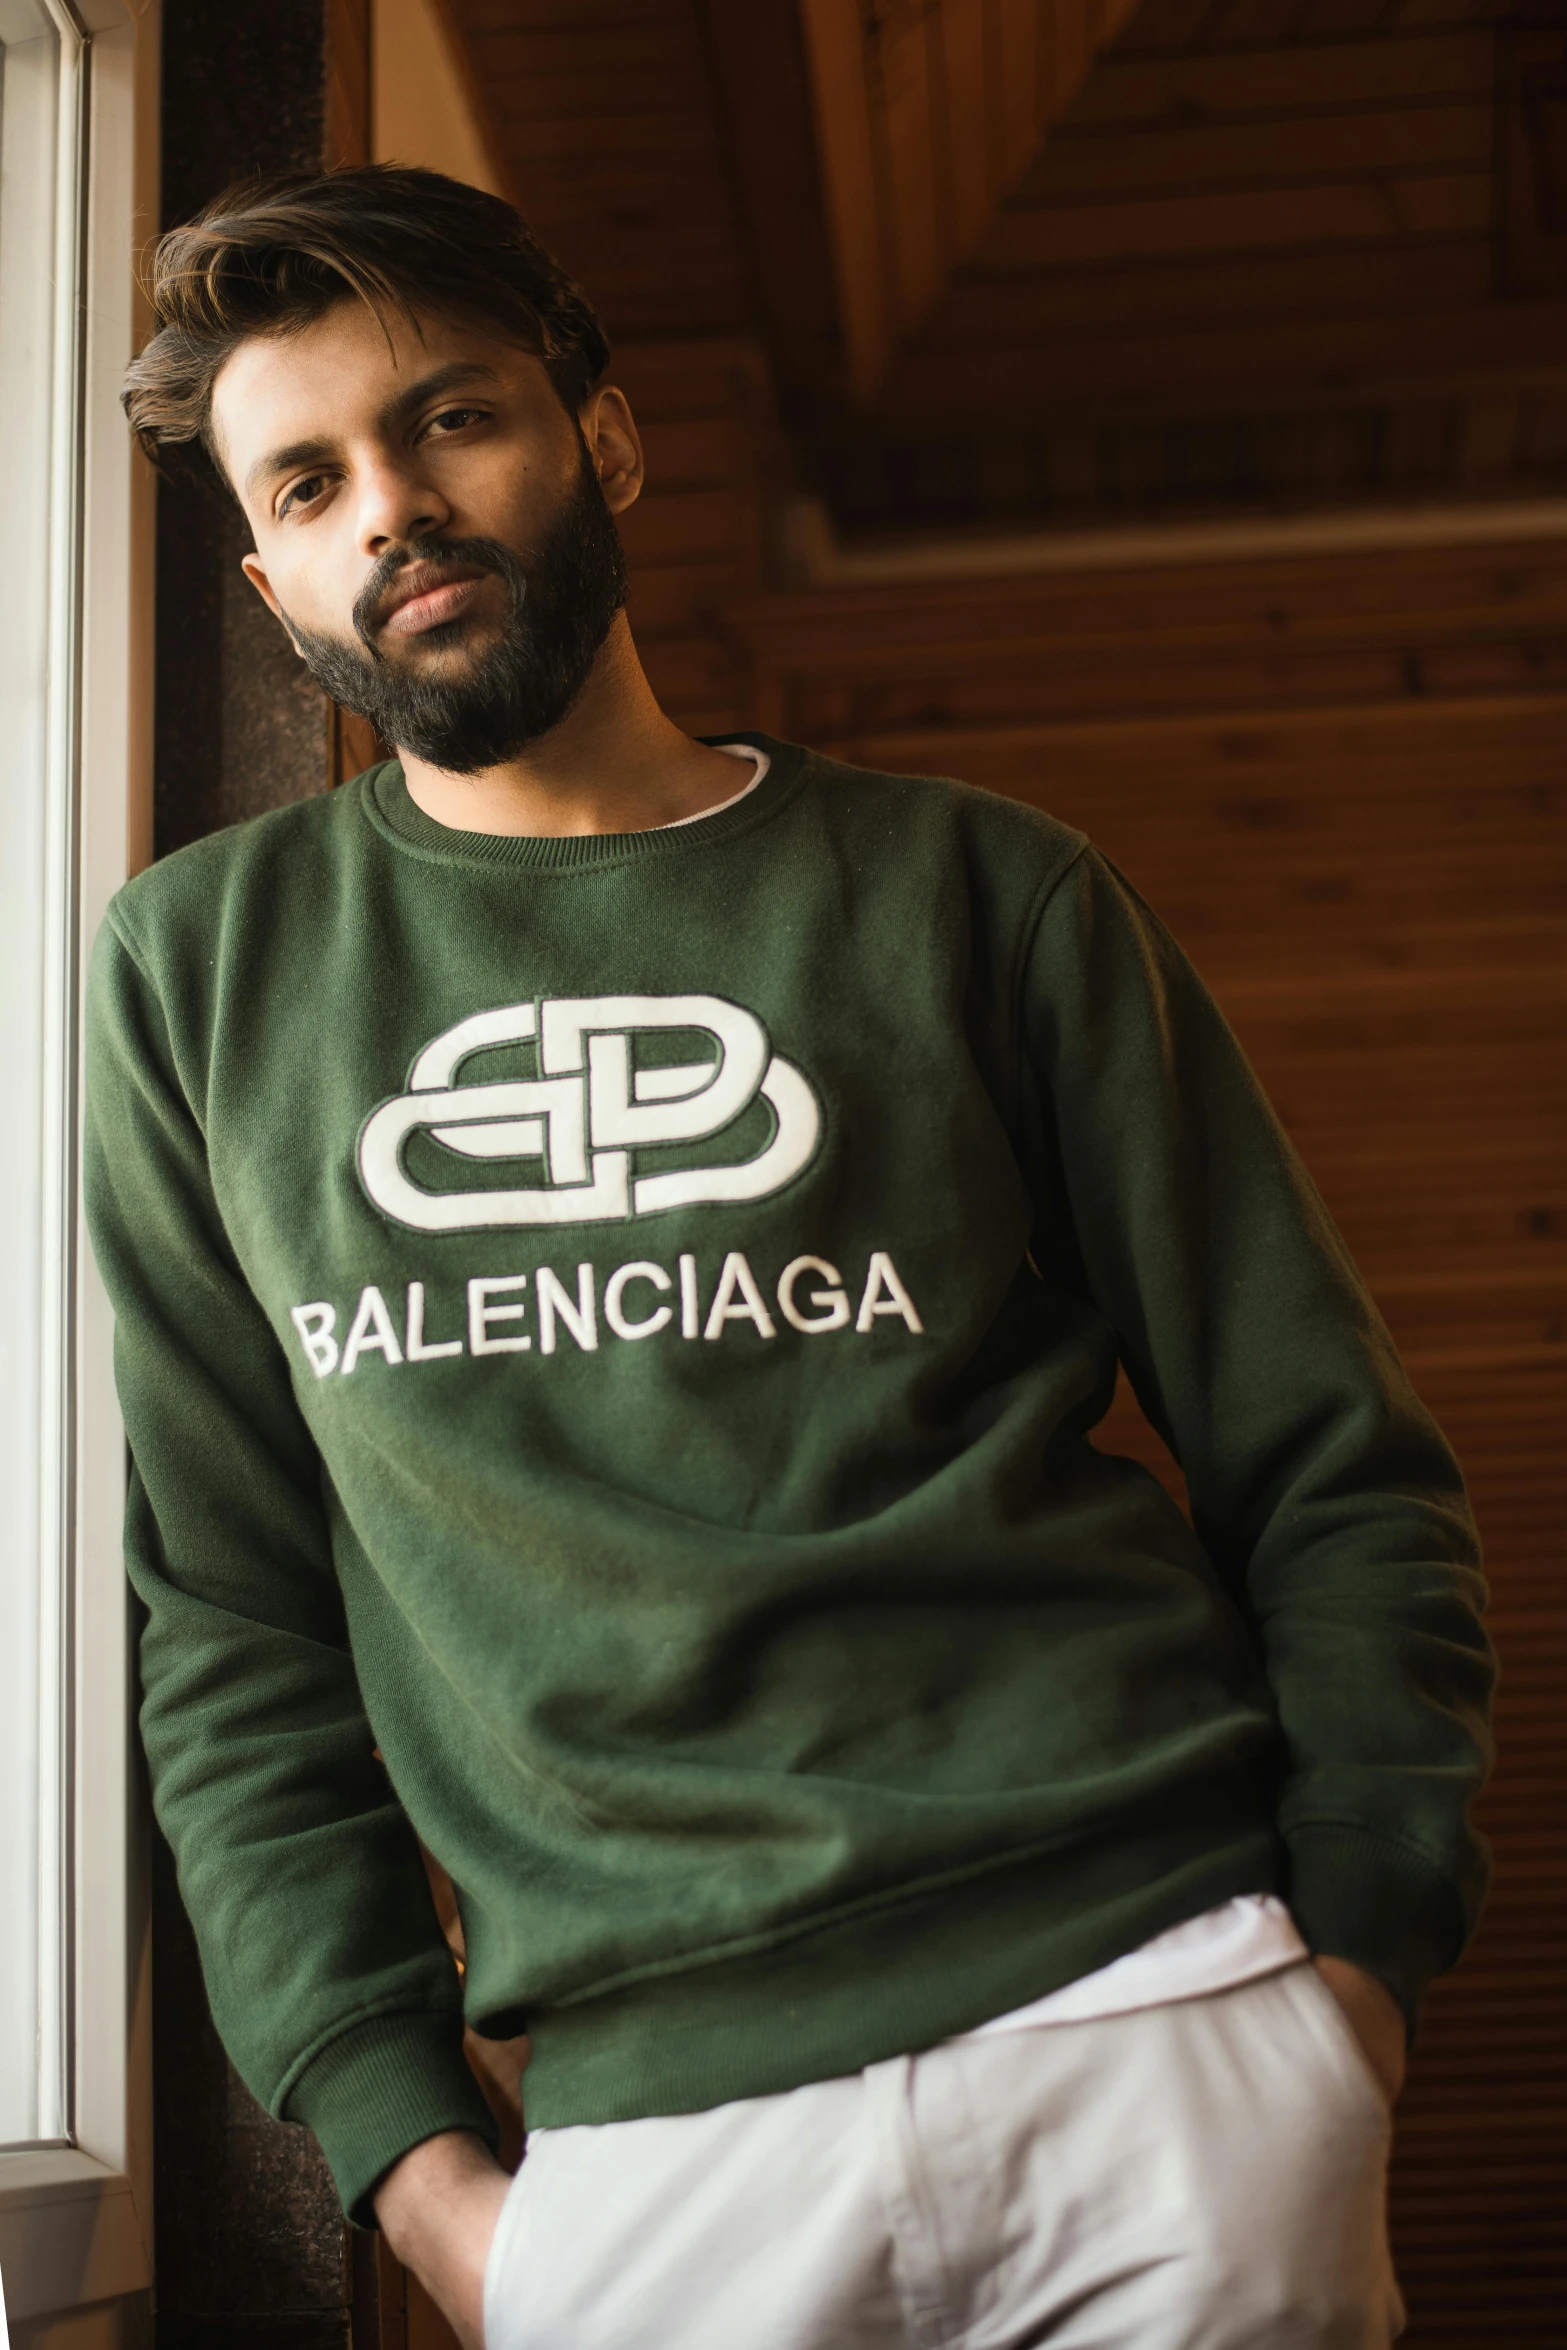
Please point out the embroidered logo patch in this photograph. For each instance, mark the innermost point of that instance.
(590, 1109)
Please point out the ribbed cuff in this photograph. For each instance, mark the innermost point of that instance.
(381, 2087)
(1382, 1907)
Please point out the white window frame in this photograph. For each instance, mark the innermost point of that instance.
(76, 2217)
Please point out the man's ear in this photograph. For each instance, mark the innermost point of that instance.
(614, 444)
(251, 567)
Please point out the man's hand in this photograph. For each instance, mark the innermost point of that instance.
(438, 2208)
(1375, 2018)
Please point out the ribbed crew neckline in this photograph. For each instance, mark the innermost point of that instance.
(397, 817)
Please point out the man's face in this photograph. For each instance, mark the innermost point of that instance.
(431, 526)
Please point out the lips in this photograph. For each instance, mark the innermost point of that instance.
(425, 598)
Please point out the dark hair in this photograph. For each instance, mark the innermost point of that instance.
(269, 256)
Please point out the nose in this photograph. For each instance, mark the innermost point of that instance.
(396, 503)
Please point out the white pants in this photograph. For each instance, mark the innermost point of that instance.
(1207, 2175)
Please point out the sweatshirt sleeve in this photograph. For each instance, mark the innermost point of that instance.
(329, 1980)
(1320, 1487)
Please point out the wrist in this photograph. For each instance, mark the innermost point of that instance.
(1374, 2016)
(416, 2199)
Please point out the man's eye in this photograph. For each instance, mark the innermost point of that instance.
(303, 493)
(454, 419)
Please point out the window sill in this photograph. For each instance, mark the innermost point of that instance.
(69, 2232)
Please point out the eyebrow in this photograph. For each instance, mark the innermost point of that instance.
(395, 412)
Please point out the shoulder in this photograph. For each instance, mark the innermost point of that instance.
(194, 898)
(1006, 839)
(987, 823)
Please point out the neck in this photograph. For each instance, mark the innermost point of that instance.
(615, 763)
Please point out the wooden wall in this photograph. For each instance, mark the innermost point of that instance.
(1302, 253)
(1343, 780)
(600, 112)
(924, 113)
(695, 540)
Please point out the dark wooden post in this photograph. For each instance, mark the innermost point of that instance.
(250, 2241)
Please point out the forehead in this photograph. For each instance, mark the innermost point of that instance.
(345, 372)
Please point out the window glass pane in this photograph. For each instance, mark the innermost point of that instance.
(39, 433)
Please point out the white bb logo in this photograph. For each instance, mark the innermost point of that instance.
(586, 1112)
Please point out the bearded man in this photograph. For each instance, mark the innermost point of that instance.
(620, 1245)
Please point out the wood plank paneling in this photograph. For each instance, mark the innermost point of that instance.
(347, 126)
(1363, 843)
(915, 117)
(603, 114)
(1139, 369)
(694, 540)
(1290, 253)
(1196, 288)
(1295, 146)
(1195, 86)
(657, 69)
(1324, 212)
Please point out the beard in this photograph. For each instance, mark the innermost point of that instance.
(560, 604)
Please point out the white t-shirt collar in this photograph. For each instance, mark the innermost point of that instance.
(749, 751)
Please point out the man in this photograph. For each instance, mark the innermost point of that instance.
(618, 1257)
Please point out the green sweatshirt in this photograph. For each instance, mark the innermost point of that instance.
(610, 1332)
